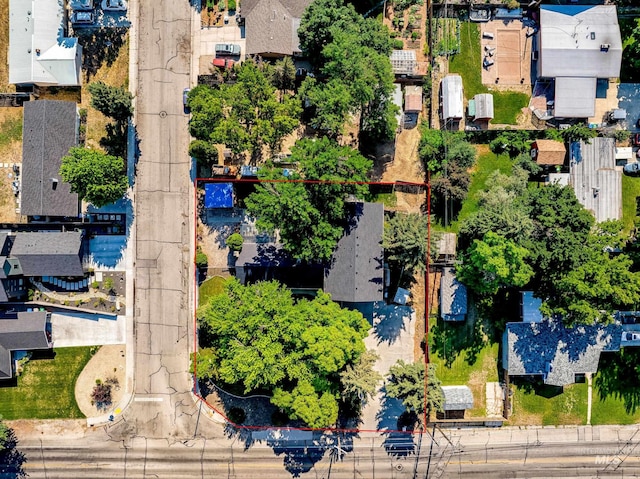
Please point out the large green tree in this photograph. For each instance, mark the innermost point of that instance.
(405, 241)
(493, 263)
(11, 459)
(246, 115)
(96, 177)
(260, 338)
(359, 380)
(111, 101)
(406, 383)
(310, 217)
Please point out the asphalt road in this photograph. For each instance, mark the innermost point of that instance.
(163, 192)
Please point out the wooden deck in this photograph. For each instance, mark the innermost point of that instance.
(596, 180)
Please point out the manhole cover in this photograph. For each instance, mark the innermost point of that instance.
(163, 114)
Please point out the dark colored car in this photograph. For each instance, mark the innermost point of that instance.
(632, 169)
(635, 139)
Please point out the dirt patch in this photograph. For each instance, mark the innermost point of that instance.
(49, 428)
(4, 40)
(9, 155)
(108, 362)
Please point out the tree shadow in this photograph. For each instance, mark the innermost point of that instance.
(397, 425)
(389, 320)
(115, 140)
(536, 386)
(618, 378)
(11, 460)
(100, 45)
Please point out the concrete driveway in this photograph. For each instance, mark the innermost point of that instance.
(392, 339)
(80, 329)
(629, 99)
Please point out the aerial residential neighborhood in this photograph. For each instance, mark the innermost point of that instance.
(319, 238)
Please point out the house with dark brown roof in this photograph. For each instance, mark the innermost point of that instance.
(548, 152)
(271, 26)
(49, 130)
(24, 331)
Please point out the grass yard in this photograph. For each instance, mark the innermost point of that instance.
(467, 64)
(611, 411)
(630, 191)
(45, 389)
(486, 164)
(10, 127)
(547, 405)
(210, 288)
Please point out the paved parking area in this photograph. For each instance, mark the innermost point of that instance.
(629, 99)
(212, 35)
(84, 329)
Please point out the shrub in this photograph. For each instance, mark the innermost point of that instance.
(95, 285)
(101, 395)
(231, 4)
(108, 284)
(201, 259)
(237, 415)
(235, 241)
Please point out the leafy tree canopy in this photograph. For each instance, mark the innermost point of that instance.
(111, 101)
(96, 177)
(246, 115)
(311, 217)
(578, 132)
(406, 383)
(359, 380)
(511, 142)
(259, 337)
(405, 241)
(493, 263)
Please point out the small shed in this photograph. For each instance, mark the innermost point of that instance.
(483, 107)
(548, 152)
(404, 62)
(447, 247)
(457, 399)
(218, 195)
(453, 297)
(413, 99)
(452, 99)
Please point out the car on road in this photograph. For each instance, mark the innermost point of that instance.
(227, 49)
(185, 97)
(632, 169)
(85, 18)
(631, 336)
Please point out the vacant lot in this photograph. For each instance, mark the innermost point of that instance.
(4, 41)
(45, 389)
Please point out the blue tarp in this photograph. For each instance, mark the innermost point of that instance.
(218, 195)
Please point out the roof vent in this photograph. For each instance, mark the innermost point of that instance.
(605, 47)
(593, 35)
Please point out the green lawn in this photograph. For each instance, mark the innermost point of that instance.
(611, 411)
(11, 128)
(468, 64)
(210, 288)
(461, 369)
(630, 190)
(45, 389)
(486, 164)
(547, 406)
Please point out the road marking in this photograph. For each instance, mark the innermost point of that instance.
(139, 399)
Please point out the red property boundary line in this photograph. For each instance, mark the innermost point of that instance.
(427, 305)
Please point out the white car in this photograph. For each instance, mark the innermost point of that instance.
(631, 336)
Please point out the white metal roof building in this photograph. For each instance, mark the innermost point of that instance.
(484, 106)
(39, 53)
(578, 44)
(452, 99)
(404, 62)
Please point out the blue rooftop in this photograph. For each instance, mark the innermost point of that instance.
(218, 195)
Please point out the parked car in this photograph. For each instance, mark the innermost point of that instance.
(226, 63)
(227, 49)
(83, 18)
(185, 96)
(635, 139)
(116, 5)
(630, 336)
(632, 169)
(81, 5)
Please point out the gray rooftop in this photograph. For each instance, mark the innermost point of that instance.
(457, 398)
(595, 179)
(49, 131)
(453, 297)
(484, 106)
(24, 331)
(556, 353)
(49, 253)
(356, 271)
(272, 26)
(580, 41)
(575, 97)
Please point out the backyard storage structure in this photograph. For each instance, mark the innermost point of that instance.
(457, 399)
(404, 62)
(483, 107)
(218, 195)
(452, 100)
(413, 99)
(548, 152)
(453, 297)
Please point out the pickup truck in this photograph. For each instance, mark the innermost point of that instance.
(227, 49)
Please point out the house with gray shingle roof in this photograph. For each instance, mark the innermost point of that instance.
(271, 26)
(355, 275)
(453, 297)
(23, 331)
(49, 131)
(51, 253)
(554, 352)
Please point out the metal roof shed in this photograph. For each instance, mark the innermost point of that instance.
(453, 297)
(483, 106)
(452, 100)
(218, 195)
(413, 99)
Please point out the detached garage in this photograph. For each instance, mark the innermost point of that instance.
(451, 97)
